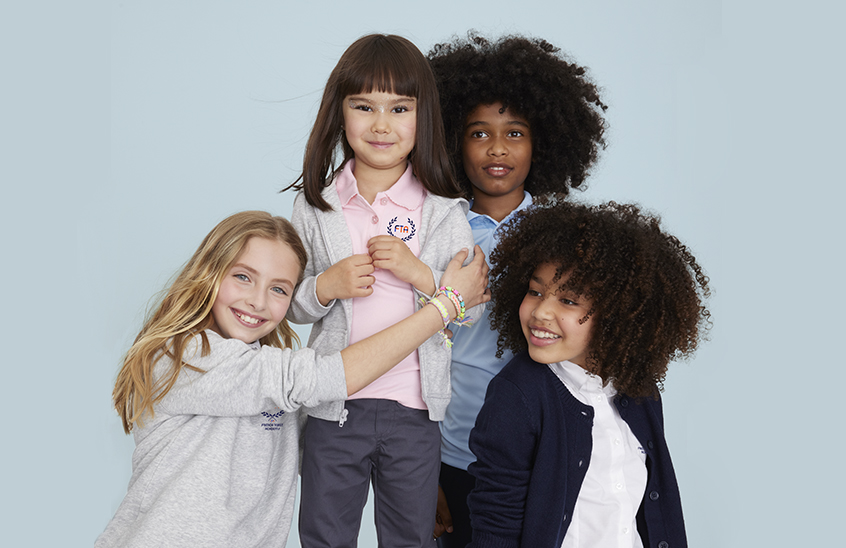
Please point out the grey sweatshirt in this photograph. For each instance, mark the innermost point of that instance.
(217, 465)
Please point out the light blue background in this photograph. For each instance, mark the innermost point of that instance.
(129, 129)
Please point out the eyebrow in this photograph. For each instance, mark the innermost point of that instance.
(255, 272)
(509, 122)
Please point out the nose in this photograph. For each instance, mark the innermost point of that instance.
(543, 310)
(256, 299)
(380, 122)
(497, 147)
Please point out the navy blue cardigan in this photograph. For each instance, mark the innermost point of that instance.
(533, 441)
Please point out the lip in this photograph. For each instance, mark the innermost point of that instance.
(537, 341)
(379, 144)
(497, 169)
(238, 313)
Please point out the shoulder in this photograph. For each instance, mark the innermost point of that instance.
(523, 370)
(436, 202)
(329, 193)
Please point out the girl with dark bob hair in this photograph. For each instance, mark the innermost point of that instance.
(379, 231)
(595, 301)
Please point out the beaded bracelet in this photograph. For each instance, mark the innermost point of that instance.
(458, 302)
(456, 299)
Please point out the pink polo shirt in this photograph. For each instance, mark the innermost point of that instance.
(396, 211)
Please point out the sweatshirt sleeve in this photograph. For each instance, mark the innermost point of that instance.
(238, 380)
(503, 441)
(456, 234)
(305, 307)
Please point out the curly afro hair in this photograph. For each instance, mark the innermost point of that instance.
(646, 287)
(531, 78)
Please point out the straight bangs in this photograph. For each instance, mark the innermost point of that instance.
(382, 63)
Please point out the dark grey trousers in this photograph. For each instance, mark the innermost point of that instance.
(395, 447)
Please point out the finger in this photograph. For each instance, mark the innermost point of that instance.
(362, 291)
(364, 270)
(361, 259)
(459, 258)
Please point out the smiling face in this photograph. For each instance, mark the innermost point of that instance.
(551, 318)
(256, 291)
(497, 156)
(381, 128)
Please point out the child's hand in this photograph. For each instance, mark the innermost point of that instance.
(471, 280)
(443, 519)
(392, 254)
(348, 278)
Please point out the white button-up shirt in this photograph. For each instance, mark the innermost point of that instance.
(615, 481)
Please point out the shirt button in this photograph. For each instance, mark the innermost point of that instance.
(374, 219)
(565, 517)
(599, 398)
(617, 441)
(581, 462)
(383, 201)
(625, 530)
(619, 486)
(653, 495)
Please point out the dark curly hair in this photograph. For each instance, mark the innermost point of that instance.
(646, 287)
(533, 79)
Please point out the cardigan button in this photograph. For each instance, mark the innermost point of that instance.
(663, 544)
(581, 463)
(653, 495)
(624, 402)
(565, 518)
(650, 444)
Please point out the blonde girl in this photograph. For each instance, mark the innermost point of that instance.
(211, 389)
(379, 231)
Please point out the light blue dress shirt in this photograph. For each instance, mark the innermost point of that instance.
(474, 361)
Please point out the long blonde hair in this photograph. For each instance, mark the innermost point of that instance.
(185, 311)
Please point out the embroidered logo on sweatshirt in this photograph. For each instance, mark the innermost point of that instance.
(274, 420)
(404, 232)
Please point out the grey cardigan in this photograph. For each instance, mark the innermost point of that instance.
(444, 231)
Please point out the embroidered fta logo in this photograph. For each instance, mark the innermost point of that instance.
(404, 232)
(273, 420)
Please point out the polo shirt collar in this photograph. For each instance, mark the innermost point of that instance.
(407, 192)
(527, 201)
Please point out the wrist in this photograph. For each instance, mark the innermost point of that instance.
(448, 305)
(320, 291)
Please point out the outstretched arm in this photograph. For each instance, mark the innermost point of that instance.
(367, 360)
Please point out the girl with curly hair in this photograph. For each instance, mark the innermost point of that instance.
(594, 301)
(520, 120)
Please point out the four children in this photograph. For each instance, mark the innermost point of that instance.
(594, 302)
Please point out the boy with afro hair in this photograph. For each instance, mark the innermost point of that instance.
(523, 123)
